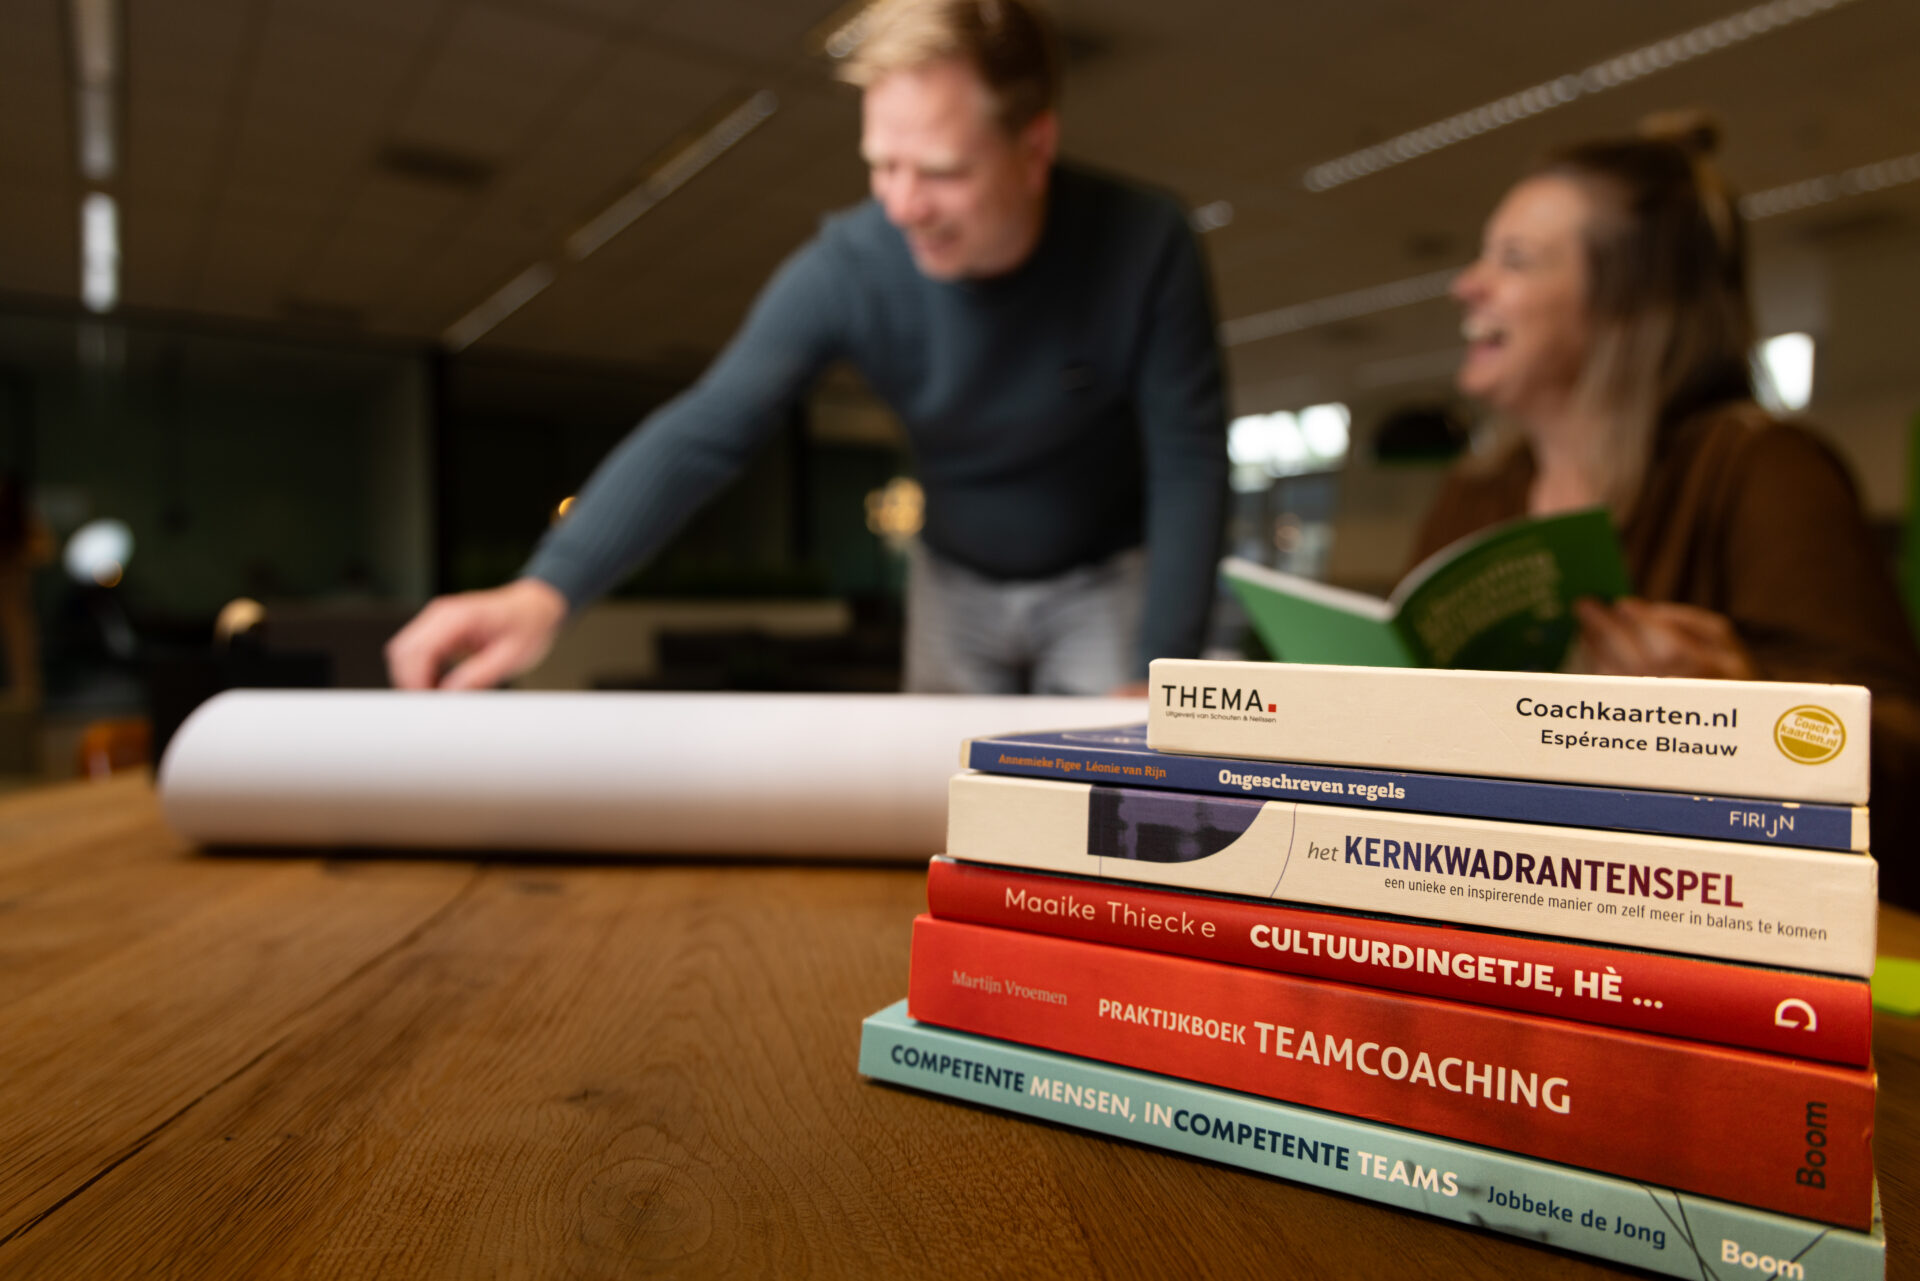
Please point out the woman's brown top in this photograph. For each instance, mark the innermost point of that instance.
(1758, 520)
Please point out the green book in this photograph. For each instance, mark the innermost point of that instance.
(1498, 600)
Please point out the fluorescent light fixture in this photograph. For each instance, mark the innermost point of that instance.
(1263, 447)
(1359, 302)
(845, 38)
(1254, 439)
(506, 300)
(673, 175)
(1365, 302)
(93, 104)
(1793, 196)
(99, 252)
(1601, 76)
(616, 218)
(1786, 368)
(96, 63)
(96, 50)
(1325, 430)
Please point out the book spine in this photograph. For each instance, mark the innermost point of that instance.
(1804, 909)
(1673, 1233)
(1781, 1134)
(1790, 1012)
(1710, 818)
(1791, 741)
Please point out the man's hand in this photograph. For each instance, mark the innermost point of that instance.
(477, 639)
(1659, 638)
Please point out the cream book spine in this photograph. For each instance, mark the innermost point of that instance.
(1781, 740)
(1769, 905)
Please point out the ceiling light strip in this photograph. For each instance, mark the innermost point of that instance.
(99, 252)
(1783, 199)
(93, 106)
(1601, 76)
(1347, 306)
(96, 68)
(849, 35)
(616, 218)
(506, 300)
(673, 174)
(1835, 186)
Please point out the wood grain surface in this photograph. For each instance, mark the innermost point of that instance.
(230, 1066)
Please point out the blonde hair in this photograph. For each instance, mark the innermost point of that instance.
(1009, 43)
(1666, 288)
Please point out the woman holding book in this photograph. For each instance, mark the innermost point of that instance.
(1608, 327)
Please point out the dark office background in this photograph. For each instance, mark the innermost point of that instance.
(389, 277)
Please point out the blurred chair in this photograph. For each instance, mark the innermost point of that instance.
(19, 735)
(111, 747)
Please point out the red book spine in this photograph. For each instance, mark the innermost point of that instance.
(1814, 1016)
(1781, 1134)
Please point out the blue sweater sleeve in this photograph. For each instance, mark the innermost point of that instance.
(1182, 412)
(686, 451)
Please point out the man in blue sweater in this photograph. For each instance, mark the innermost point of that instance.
(1046, 337)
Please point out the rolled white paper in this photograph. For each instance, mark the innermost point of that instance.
(854, 776)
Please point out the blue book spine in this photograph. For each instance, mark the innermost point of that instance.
(1674, 1233)
(1121, 755)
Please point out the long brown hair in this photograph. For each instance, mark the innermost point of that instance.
(1667, 285)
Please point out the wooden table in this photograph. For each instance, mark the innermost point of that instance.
(262, 1066)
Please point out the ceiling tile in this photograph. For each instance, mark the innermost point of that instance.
(493, 77)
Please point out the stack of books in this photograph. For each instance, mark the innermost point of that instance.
(1496, 947)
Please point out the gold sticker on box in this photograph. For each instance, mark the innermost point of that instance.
(1809, 735)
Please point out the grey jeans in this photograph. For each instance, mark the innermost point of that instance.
(1078, 633)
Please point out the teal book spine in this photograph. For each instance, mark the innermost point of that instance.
(1618, 1220)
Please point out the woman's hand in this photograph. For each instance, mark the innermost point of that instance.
(1659, 638)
